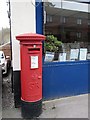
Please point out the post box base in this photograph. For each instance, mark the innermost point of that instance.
(31, 109)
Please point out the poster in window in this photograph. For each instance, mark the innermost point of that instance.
(83, 54)
(74, 54)
(49, 56)
(88, 56)
(62, 57)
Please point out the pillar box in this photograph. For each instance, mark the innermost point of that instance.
(31, 74)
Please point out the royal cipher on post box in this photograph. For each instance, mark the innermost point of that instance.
(31, 74)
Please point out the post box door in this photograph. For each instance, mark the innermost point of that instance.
(31, 66)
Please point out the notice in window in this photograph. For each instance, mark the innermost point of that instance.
(62, 57)
(34, 62)
(88, 56)
(83, 54)
(74, 54)
(49, 56)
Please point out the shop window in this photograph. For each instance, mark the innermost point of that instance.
(48, 33)
(49, 18)
(69, 27)
(79, 21)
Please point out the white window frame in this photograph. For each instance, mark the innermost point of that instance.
(79, 21)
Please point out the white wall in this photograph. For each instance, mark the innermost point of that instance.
(22, 21)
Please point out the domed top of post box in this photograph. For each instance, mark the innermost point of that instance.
(30, 36)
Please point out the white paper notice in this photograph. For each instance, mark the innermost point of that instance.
(83, 53)
(88, 56)
(62, 57)
(74, 54)
(34, 62)
(49, 56)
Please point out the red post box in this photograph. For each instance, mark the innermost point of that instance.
(31, 74)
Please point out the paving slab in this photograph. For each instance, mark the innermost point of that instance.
(70, 107)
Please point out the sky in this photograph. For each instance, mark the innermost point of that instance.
(4, 21)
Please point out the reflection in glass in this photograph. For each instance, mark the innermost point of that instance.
(68, 22)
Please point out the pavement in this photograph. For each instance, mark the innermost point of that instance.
(68, 107)
(0, 93)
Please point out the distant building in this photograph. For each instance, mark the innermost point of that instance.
(4, 36)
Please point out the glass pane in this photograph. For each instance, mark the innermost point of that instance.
(69, 22)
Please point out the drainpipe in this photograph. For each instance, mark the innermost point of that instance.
(9, 16)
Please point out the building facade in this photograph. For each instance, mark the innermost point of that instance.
(69, 22)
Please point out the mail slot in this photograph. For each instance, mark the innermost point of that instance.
(31, 74)
(33, 50)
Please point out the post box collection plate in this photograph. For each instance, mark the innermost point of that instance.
(34, 62)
